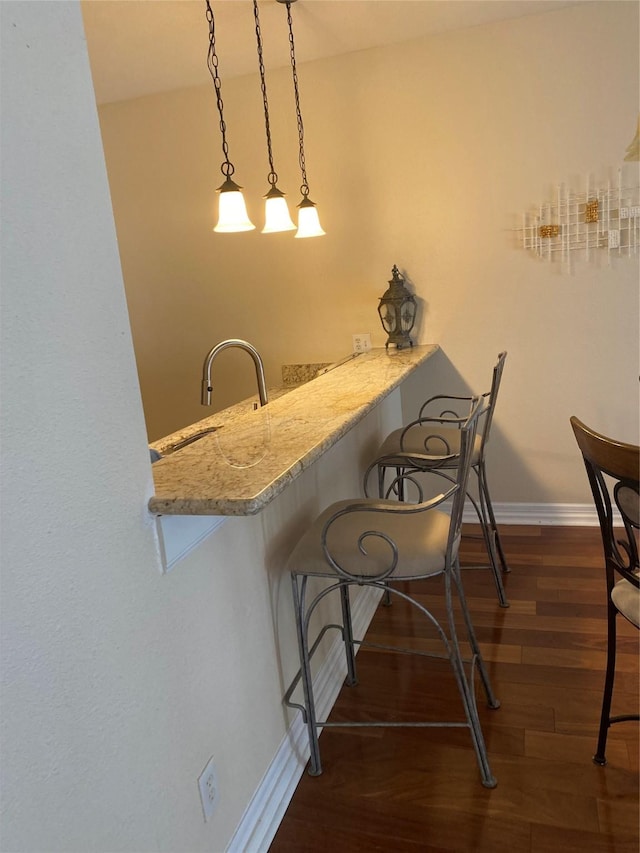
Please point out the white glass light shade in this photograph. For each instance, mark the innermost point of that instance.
(232, 211)
(308, 221)
(276, 213)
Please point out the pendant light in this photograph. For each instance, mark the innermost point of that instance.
(308, 221)
(276, 211)
(232, 211)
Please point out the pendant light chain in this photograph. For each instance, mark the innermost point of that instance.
(304, 189)
(227, 167)
(272, 177)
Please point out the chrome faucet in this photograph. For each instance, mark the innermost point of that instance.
(247, 347)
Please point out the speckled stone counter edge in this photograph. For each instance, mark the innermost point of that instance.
(254, 455)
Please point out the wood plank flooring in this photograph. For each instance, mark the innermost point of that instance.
(419, 791)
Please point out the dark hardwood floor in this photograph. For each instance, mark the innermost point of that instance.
(410, 790)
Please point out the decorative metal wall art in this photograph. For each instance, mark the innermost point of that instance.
(601, 221)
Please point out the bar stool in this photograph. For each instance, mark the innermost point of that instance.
(408, 450)
(621, 489)
(382, 544)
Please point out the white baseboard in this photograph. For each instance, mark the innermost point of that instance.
(259, 824)
(561, 515)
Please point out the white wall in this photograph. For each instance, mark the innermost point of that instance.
(424, 155)
(118, 682)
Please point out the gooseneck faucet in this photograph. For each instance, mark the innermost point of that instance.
(218, 348)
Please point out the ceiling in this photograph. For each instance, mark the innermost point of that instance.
(140, 47)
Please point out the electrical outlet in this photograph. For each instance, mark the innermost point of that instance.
(361, 343)
(208, 785)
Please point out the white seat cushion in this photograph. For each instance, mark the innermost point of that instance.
(626, 598)
(421, 538)
(422, 439)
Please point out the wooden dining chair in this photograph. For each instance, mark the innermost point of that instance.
(407, 451)
(613, 469)
(383, 544)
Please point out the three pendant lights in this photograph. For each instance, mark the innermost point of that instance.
(232, 211)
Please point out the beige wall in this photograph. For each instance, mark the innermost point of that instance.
(117, 682)
(424, 155)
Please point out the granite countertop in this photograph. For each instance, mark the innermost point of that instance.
(254, 454)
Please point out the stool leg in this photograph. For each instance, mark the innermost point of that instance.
(299, 589)
(484, 485)
(466, 693)
(490, 533)
(386, 598)
(599, 757)
(492, 702)
(352, 678)
(397, 485)
(381, 474)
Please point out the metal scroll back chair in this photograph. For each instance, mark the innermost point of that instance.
(383, 544)
(613, 469)
(409, 450)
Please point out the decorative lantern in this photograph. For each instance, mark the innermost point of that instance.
(397, 310)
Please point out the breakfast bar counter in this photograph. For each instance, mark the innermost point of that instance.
(253, 455)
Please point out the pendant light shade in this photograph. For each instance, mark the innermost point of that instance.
(276, 210)
(308, 221)
(276, 213)
(232, 211)
(633, 150)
